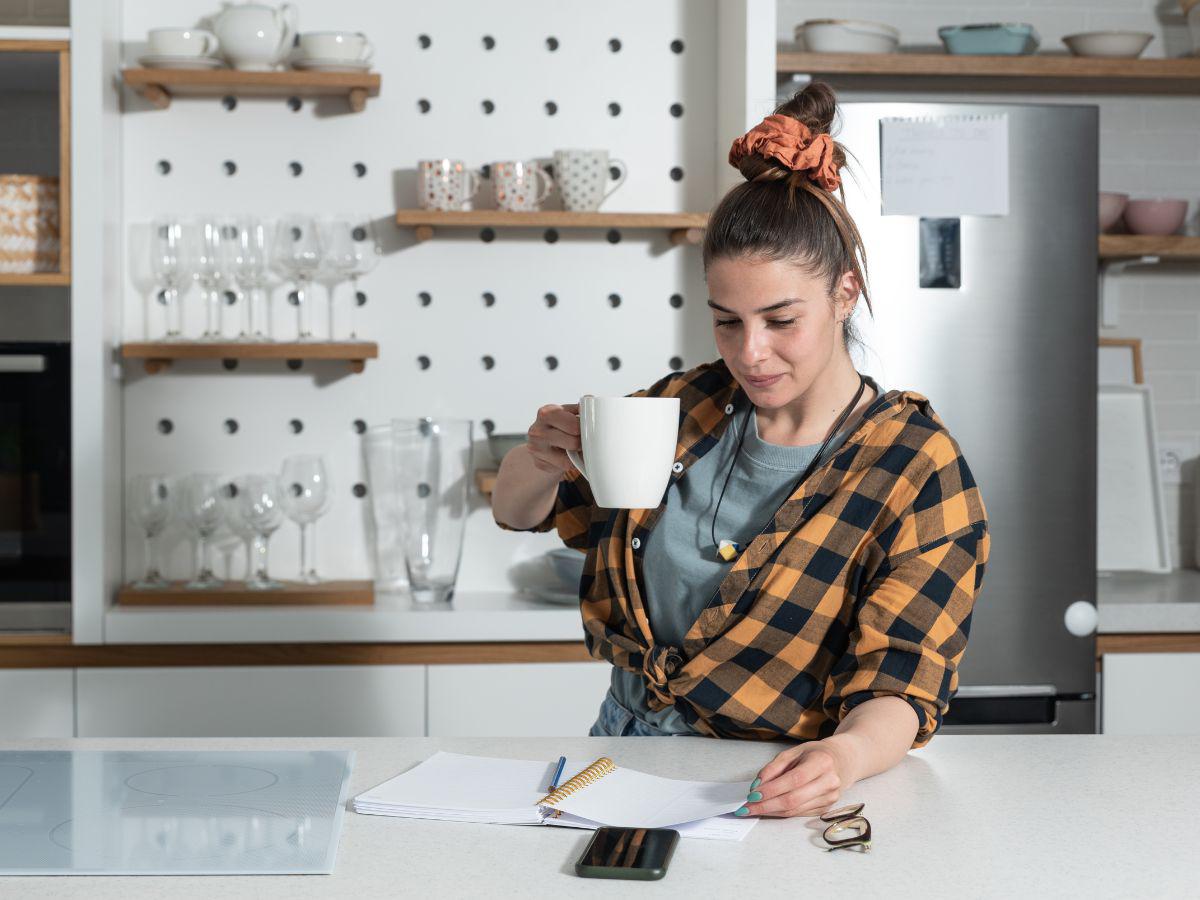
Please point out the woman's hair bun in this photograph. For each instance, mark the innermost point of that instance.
(816, 107)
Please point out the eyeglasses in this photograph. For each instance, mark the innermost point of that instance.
(848, 819)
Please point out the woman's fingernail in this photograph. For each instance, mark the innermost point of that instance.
(754, 796)
(742, 812)
(755, 783)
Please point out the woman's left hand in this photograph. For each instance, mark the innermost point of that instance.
(805, 780)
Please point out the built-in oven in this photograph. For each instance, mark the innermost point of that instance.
(35, 485)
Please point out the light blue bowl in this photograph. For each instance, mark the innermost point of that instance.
(568, 566)
(993, 39)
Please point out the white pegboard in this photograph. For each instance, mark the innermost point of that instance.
(455, 74)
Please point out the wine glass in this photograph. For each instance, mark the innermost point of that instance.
(355, 251)
(250, 271)
(170, 265)
(210, 274)
(257, 508)
(149, 501)
(200, 508)
(305, 497)
(239, 533)
(298, 251)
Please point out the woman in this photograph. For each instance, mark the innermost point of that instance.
(811, 572)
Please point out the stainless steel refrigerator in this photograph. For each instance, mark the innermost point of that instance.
(1002, 340)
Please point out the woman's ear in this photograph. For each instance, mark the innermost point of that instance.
(849, 289)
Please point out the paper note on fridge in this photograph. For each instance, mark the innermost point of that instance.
(944, 167)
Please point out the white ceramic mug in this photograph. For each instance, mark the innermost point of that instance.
(517, 185)
(340, 46)
(628, 448)
(181, 42)
(446, 184)
(583, 176)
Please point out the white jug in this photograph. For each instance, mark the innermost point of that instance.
(255, 37)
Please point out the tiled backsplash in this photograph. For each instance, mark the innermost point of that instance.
(1149, 146)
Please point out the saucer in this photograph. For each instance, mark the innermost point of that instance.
(317, 64)
(156, 61)
(549, 595)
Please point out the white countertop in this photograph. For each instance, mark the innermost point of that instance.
(1141, 602)
(499, 616)
(969, 816)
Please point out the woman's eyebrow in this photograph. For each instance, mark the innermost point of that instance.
(781, 304)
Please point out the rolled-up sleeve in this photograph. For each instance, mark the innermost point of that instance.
(571, 515)
(911, 630)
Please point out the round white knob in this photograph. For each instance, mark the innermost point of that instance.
(1081, 618)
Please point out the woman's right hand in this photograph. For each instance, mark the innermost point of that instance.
(553, 432)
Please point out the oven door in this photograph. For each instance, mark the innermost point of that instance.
(35, 485)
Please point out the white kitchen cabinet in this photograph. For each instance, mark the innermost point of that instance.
(1150, 693)
(252, 701)
(37, 703)
(515, 699)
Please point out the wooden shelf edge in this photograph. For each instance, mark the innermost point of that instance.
(1149, 642)
(36, 279)
(233, 593)
(426, 220)
(159, 86)
(1126, 246)
(1033, 65)
(158, 356)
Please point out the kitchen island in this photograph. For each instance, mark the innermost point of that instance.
(1065, 816)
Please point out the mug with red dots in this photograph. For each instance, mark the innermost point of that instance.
(447, 184)
(520, 186)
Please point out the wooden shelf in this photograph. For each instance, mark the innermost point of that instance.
(1037, 72)
(1132, 246)
(44, 279)
(327, 593)
(160, 85)
(485, 480)
(157, 356)
(684, 228)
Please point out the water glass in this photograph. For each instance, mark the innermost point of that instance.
(149, 500)
(379, 457)
(169, 262)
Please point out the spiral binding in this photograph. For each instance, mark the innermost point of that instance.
(593, 773)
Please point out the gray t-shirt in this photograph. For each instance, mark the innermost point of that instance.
(682, 570)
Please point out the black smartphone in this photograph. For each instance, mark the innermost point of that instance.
(641, 854)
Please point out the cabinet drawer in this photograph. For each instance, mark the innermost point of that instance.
(1150, 693)
(37, 703)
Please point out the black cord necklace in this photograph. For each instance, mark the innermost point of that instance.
(728, 550)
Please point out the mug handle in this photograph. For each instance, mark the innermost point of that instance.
(473, 181)
(211, 44)
(547, 187)
(577, 461)
(368, 48)
(620, 179)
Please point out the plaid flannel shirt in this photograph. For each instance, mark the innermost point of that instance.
(861, 585)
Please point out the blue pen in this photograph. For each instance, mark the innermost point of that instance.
(562, 762)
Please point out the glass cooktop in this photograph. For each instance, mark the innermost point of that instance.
(171, 812)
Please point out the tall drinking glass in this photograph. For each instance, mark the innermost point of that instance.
(170, 264)
(200, 508)
(149, 500)
(251, 274)
(379, 455)
(305, 496)
(258, 508)
(210, 273)
(433, 475)
(298, 251)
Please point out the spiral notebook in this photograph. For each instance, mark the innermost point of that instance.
(457, 788)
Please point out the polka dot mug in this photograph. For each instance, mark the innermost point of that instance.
(584, 175)
(446, 184)
(517, 185)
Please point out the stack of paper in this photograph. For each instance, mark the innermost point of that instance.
(457, 788)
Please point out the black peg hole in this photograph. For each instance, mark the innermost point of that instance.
(231, 426)
(676, 174)
(614, 363)
(360, 298)
(676, 46)
(295, 364)
(488, 426)
(165, 426)
(359, 426)
(614, 45)
(295, 104)
(489, 42)
(677, 109)
(489, 299)
(424, 105)
(551, 363)
(230, 490)
(424, 362)
(296, 425)
(487, 235)
(230, 297)
(424, 490)
(614, 300)
(551, 44)
(293, 298)
(485, 171)
(229, 364)
(551, 108)
(360, 169)
(425, 298)
(489, 362)
(229, 102)
(425, 41)
(162, 297)
(614, 109)
(613, 236)
(488, 107)
(551, 300)
(296, 168)
(551, 236)
(614, 173)
(359, 233)
(359, 490)
(676, 300)
(164, 167)
(675, 363)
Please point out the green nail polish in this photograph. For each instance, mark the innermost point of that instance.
(754, 796)
(755, 783)
(742, 812)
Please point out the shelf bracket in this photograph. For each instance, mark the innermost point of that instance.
(680, 236)
(423, 233)
(1110, 310)
(154, 366)
(357, 99)
(157, 95)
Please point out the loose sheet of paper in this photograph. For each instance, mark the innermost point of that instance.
(944, 167)
(631, 799)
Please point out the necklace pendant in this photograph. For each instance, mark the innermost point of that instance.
(729, 550)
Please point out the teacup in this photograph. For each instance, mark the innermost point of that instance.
(583, 176)
(517, 185)
(342, 46)
(628, 449)
(181, 42)
(445, 184)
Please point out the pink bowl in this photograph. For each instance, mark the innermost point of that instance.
(1111, 207)
(1158, 216)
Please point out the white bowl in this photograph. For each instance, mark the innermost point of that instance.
(1123, 44)
(847, 36)
(567, 565)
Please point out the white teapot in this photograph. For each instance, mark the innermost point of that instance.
(255, 37)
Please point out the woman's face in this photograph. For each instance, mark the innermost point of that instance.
(776, 327)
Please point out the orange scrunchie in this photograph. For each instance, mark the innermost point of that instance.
(792, 143)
